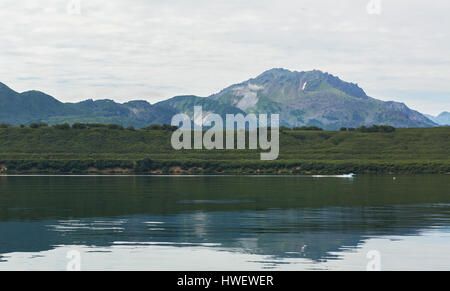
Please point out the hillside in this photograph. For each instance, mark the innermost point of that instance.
(34, 106)
(318, 99)
(185, 104)
(309, 98)
(106, 150)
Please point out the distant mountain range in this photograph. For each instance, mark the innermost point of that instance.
(34, 106)
(441, 119)
(310, 98)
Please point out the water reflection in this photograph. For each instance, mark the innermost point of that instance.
(266, 221)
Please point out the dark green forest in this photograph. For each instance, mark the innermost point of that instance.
(113, 149)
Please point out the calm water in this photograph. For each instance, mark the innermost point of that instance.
(225, 223)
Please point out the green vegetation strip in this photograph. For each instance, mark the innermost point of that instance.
(109, 149)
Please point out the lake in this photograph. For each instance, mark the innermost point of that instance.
(225, 222)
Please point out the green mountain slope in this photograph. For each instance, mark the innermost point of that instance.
(185, 104)
(309, 98)
(28, 106)
(34, 106)
(315, 98)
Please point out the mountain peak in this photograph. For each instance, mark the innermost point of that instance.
(315, 80)
(39, 97)
(284, 72)
(136, 103)
(310, 98)
(276, 71)
(316, 98)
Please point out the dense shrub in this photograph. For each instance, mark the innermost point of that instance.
(96, 125)
(115, 127)
(166, 127)
(144, 165)
(64, 126)
(79, 126)
(377, 128)
(35, 125)
(418, 150)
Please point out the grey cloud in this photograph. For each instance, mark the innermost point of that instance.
(140, 49)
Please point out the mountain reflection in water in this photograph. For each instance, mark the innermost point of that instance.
(277, 218)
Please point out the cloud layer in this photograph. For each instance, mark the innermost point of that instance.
(140, 49)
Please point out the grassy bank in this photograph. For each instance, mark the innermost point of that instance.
(115, 150)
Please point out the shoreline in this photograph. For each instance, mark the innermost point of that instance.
(220, 176)
(314, 175)
(171, 168)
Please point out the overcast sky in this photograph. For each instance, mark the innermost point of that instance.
(156, 49)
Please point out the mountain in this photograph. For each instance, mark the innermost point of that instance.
(133, 113)
(34, 106)
(441, 119)
(315, 98)
(17, 108)
(185, 104)
(310, 98)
